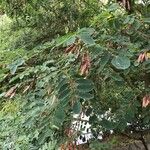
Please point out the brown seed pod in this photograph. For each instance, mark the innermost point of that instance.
(11, 92)
(146, 101)
(85, 64)
(71, 48)
(143, 57)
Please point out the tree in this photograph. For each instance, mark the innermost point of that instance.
(101, 67)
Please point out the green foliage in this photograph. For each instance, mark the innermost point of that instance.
(52, 69)
(96, 145)
(49, 146)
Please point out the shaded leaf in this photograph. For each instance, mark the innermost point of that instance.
(85, 87)
(85, 96)
(103, 61)
(84, 81)
(77, 107)
(116, 77)
(64, 94)
(121, 62)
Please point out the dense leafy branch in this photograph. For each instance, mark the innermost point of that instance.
(58, 59)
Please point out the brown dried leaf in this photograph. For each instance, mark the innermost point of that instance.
(10, 91)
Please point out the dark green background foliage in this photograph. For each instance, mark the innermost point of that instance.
(41, 86)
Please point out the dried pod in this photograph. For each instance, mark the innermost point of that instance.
(11, 92)
(85, 64)
(142, 57)
(146, 101)
(71, 48)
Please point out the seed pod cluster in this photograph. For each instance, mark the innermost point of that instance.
(142, 57)
(85, 64)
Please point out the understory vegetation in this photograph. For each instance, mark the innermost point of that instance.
(60, 58)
